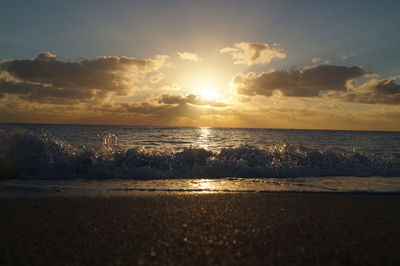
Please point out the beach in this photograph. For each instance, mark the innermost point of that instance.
(184, 228)
(199, 133)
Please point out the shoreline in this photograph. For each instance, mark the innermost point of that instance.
(115, 186)
(179, 228)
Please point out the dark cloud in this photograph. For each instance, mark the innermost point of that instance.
(308, 82)
(36, 92)
(165, 105)
(384, 91)
(177, 98)
(158, 113)
(188, 99)
(152, 111)
(46, 78)
(141, 108)
(165, 108)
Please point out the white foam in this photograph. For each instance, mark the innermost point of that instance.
(25, 154)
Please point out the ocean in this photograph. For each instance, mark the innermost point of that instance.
(91, 157)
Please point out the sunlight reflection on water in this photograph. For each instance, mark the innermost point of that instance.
(312, 184)
(204, 137)
(205, 185)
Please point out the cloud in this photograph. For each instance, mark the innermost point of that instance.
(47, 79)
(188, 56)
(308, 82)
(157, 77)
(166, 109)
(375, 91)
(147, 108)
(37, 92)
(46, 56)
(177, 98)
(188, 99)
(248, 53)
(315, 60)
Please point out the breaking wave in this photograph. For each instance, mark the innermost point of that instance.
(24, 154)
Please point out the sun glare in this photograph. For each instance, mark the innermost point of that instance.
(207, 90)
(209, 94)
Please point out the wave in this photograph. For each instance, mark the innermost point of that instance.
(25, 154)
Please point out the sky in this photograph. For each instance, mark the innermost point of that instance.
(262, 64)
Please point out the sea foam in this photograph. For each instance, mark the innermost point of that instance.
(27, 154)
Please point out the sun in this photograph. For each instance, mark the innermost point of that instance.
(209, 94)
(207, 83)
(207, 90)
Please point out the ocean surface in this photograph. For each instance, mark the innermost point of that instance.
(87, 157)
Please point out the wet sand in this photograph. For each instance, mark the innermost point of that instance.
(200, 228)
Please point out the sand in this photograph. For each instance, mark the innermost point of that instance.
(195, 228)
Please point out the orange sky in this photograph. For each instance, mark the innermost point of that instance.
(180, 90)
(264, 64)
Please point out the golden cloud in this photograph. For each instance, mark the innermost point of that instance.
(188, 56)
(248, 53)
(49, 80)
